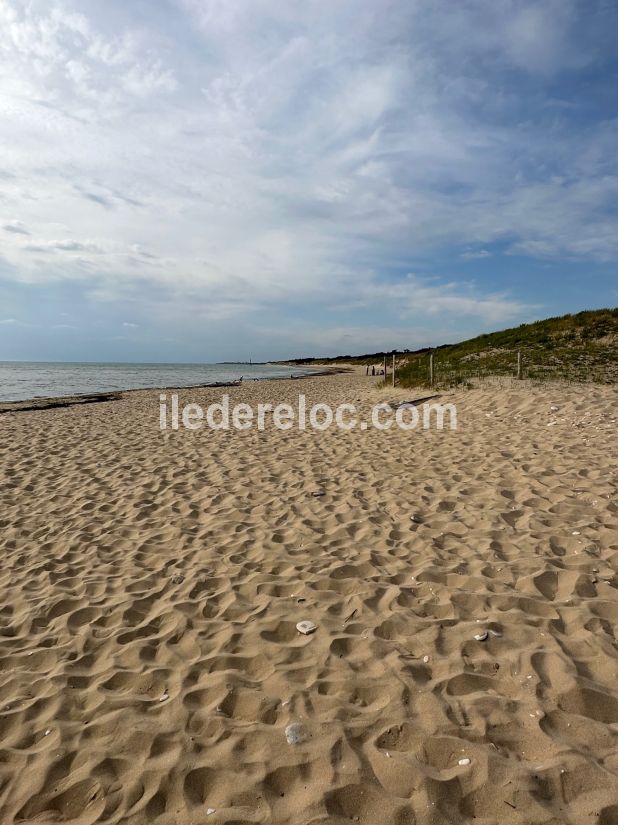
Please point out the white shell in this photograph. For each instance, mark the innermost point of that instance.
(480, 637)
(306, 627)
(464, 761)
(295, 734)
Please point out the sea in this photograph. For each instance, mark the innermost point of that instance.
(25, 380)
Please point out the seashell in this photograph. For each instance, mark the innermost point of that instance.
(296, 734)
(306, 627)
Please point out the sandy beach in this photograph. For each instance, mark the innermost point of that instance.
(152, 581)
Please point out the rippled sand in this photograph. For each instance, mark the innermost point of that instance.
(151, 583)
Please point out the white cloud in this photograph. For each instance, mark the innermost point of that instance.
(416, 295)
(17, 227)
(303, 153)
(475, 254)
(56, 53)
(66, 245)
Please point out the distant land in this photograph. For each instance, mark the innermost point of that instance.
(579, 347)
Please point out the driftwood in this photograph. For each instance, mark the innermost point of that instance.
(34, 404)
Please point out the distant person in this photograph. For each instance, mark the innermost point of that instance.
(367, 371)
(373, 370)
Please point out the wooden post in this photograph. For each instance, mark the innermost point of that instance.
(431, 369)
(393, 369)
(385, 369)
(519, 364)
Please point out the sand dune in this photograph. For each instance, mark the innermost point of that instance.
(152, 581)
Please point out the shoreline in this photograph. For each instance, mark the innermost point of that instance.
(82, 399)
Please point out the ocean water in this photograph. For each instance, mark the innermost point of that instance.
(22, 380)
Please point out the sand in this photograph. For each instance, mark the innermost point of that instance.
(152, 581)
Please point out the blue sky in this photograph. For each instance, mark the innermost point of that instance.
(199, 180)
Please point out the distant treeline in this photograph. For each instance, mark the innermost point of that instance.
(369, 358)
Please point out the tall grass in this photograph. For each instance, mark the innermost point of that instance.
(580, 347)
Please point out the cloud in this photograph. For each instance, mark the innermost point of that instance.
(65, 245)
(51, 46)
(415, 295)
(100, 199)
(139, 251)
(478, 254)
(129, 324)
(307, 155)
(9, 321)
(16, 227)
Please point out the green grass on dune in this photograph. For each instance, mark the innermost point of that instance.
(580, 347)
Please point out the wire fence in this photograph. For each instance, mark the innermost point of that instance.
(440, 369)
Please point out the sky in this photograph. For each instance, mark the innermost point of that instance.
(204, 180)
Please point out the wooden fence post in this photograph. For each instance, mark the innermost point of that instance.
(518, 364)
(393, 369)
(431, 369)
